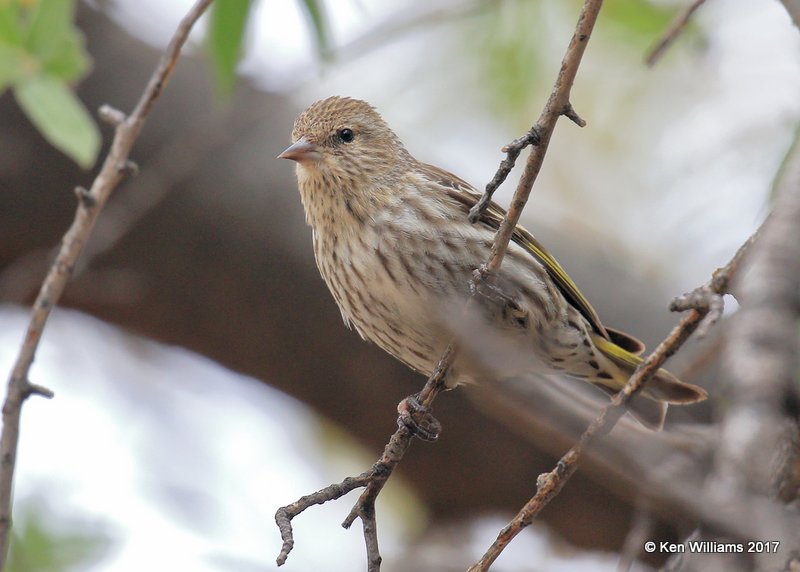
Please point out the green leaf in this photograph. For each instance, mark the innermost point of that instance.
(11, 27)
(69, 63)
(60, 116)
(315, 12)
(225, 39)
(14, 64)
(50, 26)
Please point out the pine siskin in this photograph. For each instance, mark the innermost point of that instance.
(393, 243)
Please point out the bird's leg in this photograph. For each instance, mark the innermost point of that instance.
(486, 286)
(418, 419)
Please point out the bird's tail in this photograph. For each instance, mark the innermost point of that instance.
(650, 407)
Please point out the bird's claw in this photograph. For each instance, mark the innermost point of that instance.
(484, 284)
(418, 419)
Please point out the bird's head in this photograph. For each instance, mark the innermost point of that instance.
(345, 138)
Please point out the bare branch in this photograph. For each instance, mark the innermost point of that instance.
(114, 169)
(671, 34)
(284, 515)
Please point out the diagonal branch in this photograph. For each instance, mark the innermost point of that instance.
(413, 410)
(115, 168)
(671, 34)
(549, 485)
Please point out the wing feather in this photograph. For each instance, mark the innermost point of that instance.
(465, 194)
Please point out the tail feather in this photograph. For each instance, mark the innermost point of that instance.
(662, 387)
(648, 412)
(650, 408)
(626, 341)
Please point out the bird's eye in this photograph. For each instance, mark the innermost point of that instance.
(346, 134)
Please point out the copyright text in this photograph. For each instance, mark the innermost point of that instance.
(713, 547)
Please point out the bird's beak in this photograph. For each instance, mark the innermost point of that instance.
(300, 151)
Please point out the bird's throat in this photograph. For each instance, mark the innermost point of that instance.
(330, 203)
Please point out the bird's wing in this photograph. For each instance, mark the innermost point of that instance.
(465, 194)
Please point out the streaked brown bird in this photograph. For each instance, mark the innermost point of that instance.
(393, 244)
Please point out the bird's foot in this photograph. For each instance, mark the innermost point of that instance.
(418, 419)
(488, 287)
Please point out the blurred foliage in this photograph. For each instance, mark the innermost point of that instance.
(41, 55)
(227, 33)
(512, 43)
(40, 543)
(507, 43)
(638, 22)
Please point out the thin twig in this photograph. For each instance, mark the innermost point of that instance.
(549, 485)
(378, 473)
(671, 34)
(116, 167)
(512, 151)
(558, 104)
(373, 479)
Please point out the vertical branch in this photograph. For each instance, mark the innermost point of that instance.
(761, 355)
(90, 202)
